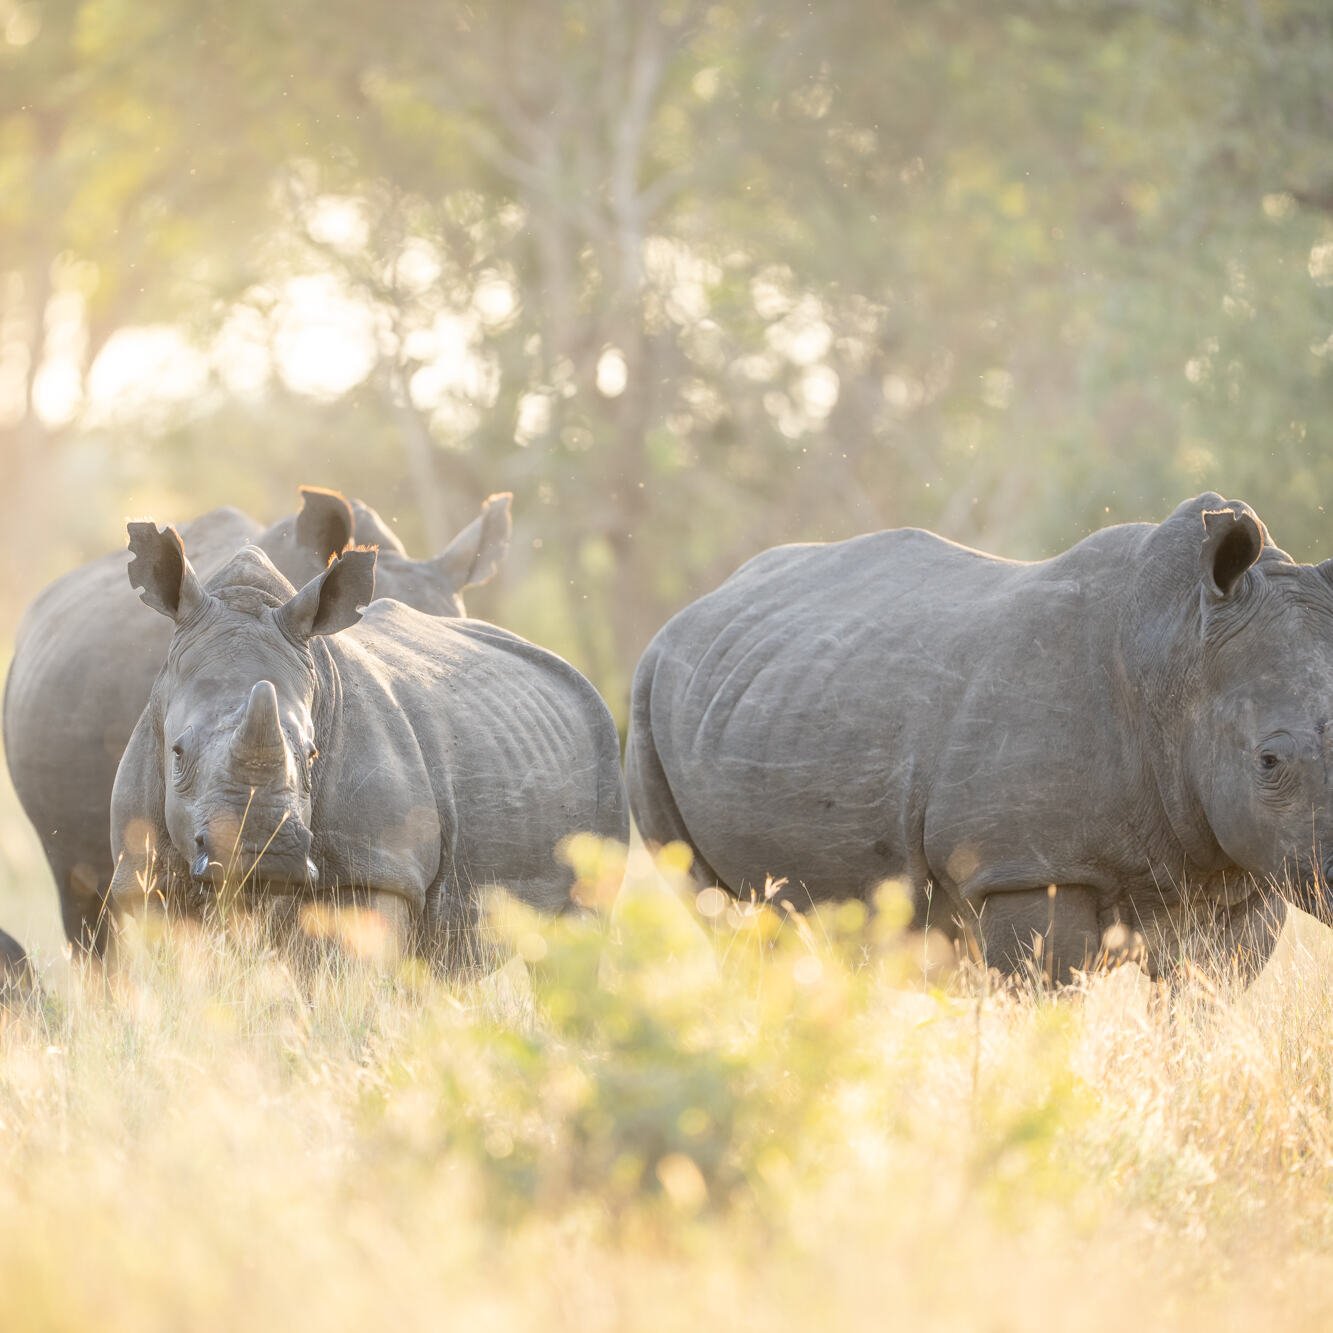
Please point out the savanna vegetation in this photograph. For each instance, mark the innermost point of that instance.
(637, 1125)
(689, 279)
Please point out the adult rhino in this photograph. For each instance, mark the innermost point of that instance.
(296, 742)
(1146, 716)
(85, 659)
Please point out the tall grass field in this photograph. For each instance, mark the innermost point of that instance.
(658, 1118)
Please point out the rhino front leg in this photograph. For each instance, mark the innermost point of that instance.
(1056, 930)
(375, 925)
(398, 918)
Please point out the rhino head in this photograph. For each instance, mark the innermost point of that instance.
(1237, 654)
(328, 523)
(238, 704)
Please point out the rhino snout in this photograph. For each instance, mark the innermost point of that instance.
(281, 860)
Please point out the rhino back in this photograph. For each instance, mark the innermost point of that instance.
(516, 747)
(841, 714)
(85, 657)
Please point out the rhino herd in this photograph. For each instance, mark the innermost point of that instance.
(1048, 756)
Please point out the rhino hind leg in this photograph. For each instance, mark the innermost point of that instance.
(656, 814)
(1037, 930)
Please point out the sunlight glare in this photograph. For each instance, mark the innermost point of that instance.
(326, 340)
(152, 363)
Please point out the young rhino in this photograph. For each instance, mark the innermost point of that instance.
(321, 741)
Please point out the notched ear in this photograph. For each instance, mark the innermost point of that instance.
(474, 556)
(325, 524)
(160, 572)
(1233, 540)
(333, 600)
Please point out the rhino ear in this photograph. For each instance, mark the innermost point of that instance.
(161, 574)
(474, 556)
(325, 524)
(1232, 542)
(333, 600)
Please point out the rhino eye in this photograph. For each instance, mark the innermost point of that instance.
(182, 764)
(1273, 754)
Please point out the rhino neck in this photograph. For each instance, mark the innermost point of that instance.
(326, 716)
(1157, 669)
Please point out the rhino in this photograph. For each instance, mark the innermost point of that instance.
(1042, 752)
(85, 658)
(16, 978)
(322, 743)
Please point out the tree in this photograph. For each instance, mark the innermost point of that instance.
(696, 278)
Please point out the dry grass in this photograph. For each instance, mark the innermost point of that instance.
(667, 1129)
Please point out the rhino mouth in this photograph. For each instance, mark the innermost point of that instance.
(252, 871)
(280, 862)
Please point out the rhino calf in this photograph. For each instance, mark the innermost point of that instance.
(1037, 750)
(297, 741)
(85, 660)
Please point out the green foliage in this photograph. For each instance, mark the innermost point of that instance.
(638, 1077)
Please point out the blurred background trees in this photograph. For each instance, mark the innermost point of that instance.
(689, 278)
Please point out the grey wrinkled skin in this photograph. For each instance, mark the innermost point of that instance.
(1144, 722)
(295, 742)
(85, 658)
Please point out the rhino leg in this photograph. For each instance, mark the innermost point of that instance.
(656, 814)
(374, 925)
(16, 978)
(1225, 942)
(1055, 932)
(83, 908)
(400, 922)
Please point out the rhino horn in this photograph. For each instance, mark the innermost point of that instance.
(258, 740)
